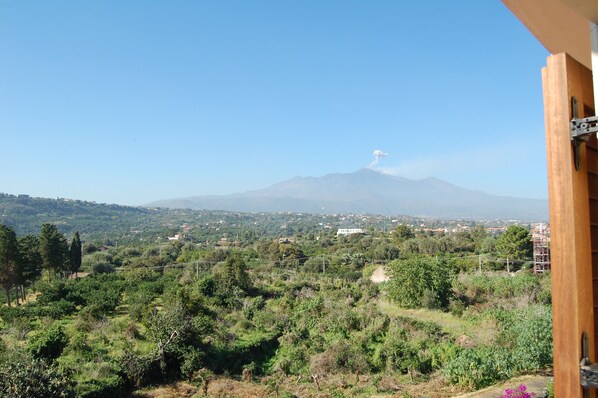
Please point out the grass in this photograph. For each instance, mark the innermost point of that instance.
(455, 326)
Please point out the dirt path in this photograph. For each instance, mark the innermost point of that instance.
(379, 275)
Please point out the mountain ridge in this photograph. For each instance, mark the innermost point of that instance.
(368, 191)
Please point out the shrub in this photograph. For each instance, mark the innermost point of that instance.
(103, 268)
(457, 307)
(399, 353)
(192, 362)
(340, 357)
(290, 357)
(48, 344)
(531, 336)
(443, 353)
(57, 309)
(206, 286)
(10, 314)
(26, 378)
(51, 292)
(78, 345)
(139, 369)
(411, 277)
(430, 300)
(479, 367)
(111, 386)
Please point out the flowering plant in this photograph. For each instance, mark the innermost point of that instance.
(519, 392)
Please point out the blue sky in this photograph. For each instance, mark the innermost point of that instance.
(133, 101)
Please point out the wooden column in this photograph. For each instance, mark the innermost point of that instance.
(571, 231)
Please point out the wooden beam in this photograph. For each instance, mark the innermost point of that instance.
(571, 249)
(558, 27)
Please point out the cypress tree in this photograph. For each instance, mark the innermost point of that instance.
(31, 259)
(8, 260)
(53, 249)
(75, 253)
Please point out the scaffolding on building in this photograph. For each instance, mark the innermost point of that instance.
(541, 241)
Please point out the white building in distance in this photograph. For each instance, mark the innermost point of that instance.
(348, 231)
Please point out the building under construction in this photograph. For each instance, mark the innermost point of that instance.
(541, 240)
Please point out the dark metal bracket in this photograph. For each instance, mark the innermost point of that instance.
(581, 128)
(588, 371)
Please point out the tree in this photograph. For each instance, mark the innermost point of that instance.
(53, 249)
(9, 257)
(75, 253)
(515, 243)
(385, 251)
(479, 235)
(30, 258)
(403, 233)
(415, 278)
(236, 272)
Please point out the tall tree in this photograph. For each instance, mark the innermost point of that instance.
(418, 279)
(8, 259)
(75, 253)
(236, 272)
(31, 259)
(515, 243)
(479, 235)
(53, 249)
(402, 233)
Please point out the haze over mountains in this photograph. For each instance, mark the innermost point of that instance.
(369, 191)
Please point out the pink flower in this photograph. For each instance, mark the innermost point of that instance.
(520, 392)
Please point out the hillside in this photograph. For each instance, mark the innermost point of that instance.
(109, 222)
(368, 191)
(94, 221)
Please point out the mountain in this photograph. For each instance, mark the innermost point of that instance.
(369, 191)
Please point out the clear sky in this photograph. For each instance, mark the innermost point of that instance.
(133, 101)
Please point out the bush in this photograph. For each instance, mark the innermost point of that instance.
(443, 353)
(113, 386)
(341, 357)
(411, 277)
(193, 361)
(26, 378)
(457, 307)
(103, 268)
(531, 333)
(58, 309)
(493, 287)
(479, 367)
(48, 344)
(138, 304)
(51, 292)
(430, 300)
(100, 379)
(400, 353)
(10, 314)
(140, 369)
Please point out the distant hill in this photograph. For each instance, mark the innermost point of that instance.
(369, 191)
(112, 224)
(26, 214)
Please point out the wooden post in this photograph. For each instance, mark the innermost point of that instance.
(571, 248)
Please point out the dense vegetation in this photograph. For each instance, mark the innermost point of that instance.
(298, 316)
